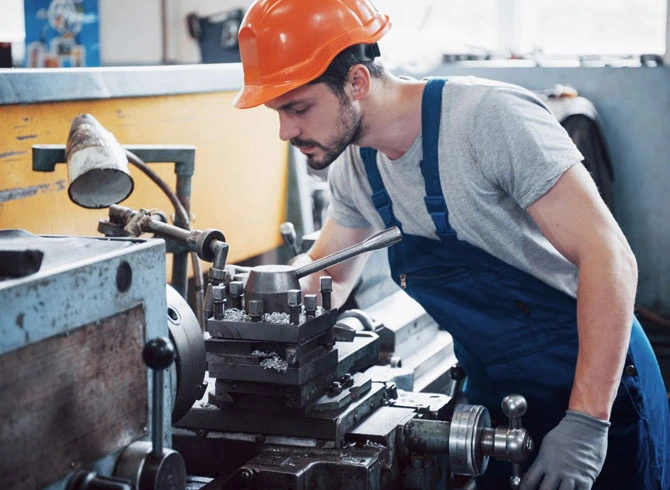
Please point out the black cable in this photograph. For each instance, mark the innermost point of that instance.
(185, 221)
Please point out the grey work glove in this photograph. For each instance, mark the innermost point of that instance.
(571, 455)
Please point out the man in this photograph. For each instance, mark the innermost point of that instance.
(506, 242)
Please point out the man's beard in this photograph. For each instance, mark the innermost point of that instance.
(351, 126)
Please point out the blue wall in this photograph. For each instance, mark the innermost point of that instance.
(634, 110)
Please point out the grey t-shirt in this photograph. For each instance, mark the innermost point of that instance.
(500, 150)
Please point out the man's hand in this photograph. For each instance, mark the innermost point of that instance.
(571, 455)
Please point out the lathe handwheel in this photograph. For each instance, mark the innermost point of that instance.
(465, 455)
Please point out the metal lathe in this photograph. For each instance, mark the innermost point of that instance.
(280, 391)
(111, 380)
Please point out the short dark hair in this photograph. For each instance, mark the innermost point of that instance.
(358, 54)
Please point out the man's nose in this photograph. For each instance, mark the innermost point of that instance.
(287, 129)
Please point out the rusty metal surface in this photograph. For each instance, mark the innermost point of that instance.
(82, 281)
(60, 400)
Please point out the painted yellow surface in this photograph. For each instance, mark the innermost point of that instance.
(241, 167)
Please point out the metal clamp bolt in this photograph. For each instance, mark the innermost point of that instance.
(256, 309)
(294, 305)
(326, 290)
(310, 305)
(236, 289)
(219, 300)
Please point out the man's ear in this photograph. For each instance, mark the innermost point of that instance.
(358, 80)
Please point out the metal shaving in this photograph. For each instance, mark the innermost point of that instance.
(271, 361)
(376, 445)
(276, 317)
(236, 315)
(347, 458)
(276, 363)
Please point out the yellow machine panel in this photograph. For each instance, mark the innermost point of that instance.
(241, 167)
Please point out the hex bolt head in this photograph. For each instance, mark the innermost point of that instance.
(310, 303)
(294, 297)
(236, 288)
(326, 284)
(255, 308)
(326, 290)
(294, 305)
(218, 301)
(219, 292)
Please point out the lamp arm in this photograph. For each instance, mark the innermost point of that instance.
(184, 221)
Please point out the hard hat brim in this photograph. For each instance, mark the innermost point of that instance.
(255, 95)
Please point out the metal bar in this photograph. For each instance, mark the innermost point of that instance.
(382, 239)
(165, 229)
(45, 157)
(157, 415)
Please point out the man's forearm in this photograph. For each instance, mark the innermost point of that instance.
(605, 300)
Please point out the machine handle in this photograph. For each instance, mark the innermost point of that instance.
(158, 355)
(514, 407)
(382, 239)
(147, 465)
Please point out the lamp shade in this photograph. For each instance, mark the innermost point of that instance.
(97, 165)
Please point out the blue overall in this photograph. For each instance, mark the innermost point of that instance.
(515, 334)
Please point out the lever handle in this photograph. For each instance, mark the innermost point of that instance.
(158, 355)
(289, 236)
(382, 239)
(514, 407)
(147, 465)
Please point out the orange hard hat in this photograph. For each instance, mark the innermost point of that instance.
(285, 44)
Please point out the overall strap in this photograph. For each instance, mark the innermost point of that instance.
(380, 198)
(431, 111)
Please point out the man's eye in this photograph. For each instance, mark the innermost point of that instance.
(301, 110)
